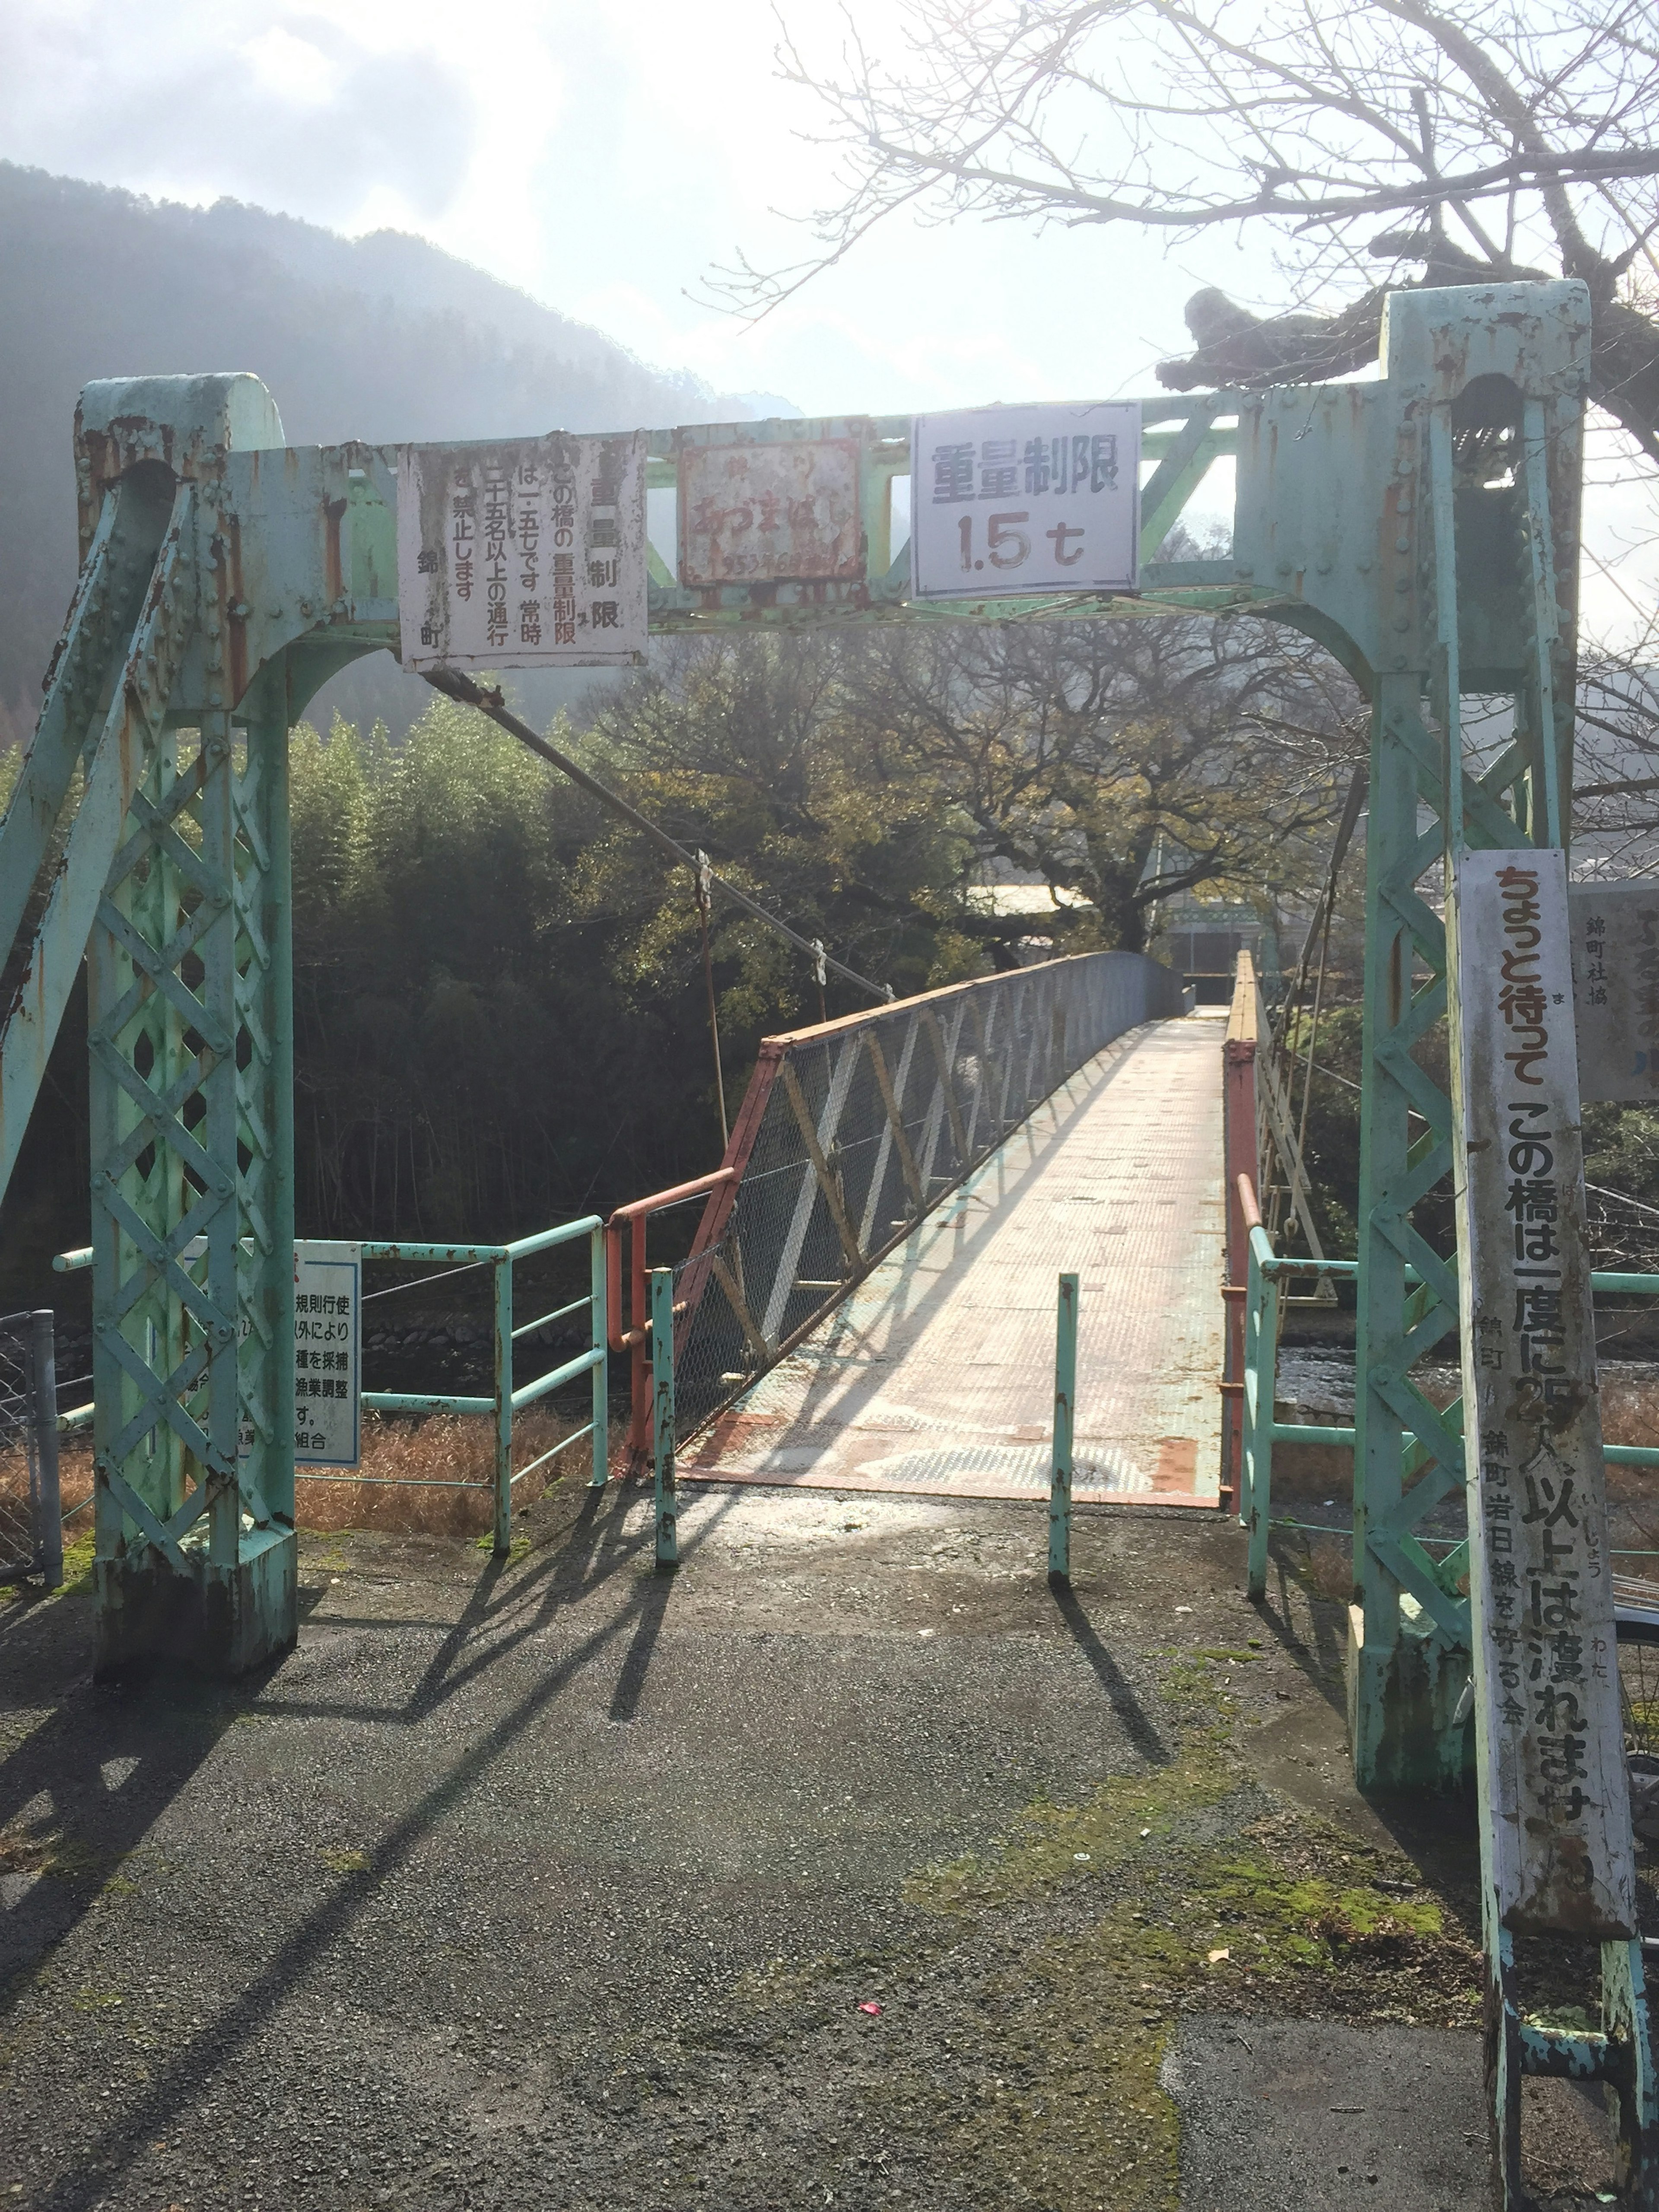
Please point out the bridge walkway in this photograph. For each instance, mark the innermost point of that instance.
(935, 1377)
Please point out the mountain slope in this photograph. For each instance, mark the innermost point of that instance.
(383, 338)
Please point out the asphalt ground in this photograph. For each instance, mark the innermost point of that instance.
(849, 1865)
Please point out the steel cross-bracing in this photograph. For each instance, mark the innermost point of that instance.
(1422, 526)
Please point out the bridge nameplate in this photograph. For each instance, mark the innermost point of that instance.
(1541, 1581)
(1615, 980)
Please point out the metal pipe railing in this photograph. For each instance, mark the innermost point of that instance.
(632, 1317)
(1261, 1430)
(503, 1402)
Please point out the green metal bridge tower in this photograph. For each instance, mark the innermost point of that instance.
(1422, 526)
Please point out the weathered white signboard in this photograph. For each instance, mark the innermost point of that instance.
(1010, 501)
(770, 514)
(530, 553)
(1546, 1670)
(327, 1341)
(1615, 982)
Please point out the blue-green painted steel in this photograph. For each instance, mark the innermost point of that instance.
(599, 1292)
(1060, 1452)
(504, 1401)
(1258, 1428)
(226, 576)
(1268, 1268)
(505, 1405)
(666, 1498)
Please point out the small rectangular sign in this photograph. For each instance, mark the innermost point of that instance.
(327, 1343)
(1615, 985)
(1007, 501)
(530, 553)
(1546, 1664)
(783, 513)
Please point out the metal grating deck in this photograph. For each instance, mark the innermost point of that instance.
(936, 1375)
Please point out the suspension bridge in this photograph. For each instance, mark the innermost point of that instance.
(612, 1884)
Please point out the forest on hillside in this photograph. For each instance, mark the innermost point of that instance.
(383, 338)
(500, 1008)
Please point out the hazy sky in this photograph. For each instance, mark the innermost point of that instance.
(604, 157)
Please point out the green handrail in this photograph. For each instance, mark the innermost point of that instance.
(1261, 1430)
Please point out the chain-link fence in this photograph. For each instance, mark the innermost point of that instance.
(851, 1132)
(30, 1529)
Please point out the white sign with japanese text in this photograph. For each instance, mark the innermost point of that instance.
(1615, 982)
(530, 553)
(1547, 1682)
(1012, 501)
(327, 1338)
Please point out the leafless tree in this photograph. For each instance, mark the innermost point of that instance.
(1374, 138)
(1122, 762)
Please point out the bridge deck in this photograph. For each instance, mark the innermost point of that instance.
(936, 1375)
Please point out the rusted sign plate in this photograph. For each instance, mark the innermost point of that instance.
(1542, 1589)
(1615, 982)
(530, 554)
(772, 513)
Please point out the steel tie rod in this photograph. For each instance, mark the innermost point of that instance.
(488, 699)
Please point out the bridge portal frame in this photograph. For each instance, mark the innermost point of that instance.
(1422, 526)
(226, 576)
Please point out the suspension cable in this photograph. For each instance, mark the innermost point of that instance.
(488, 699)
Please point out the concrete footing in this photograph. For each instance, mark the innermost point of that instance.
(222, 1620)
(1405, 1729)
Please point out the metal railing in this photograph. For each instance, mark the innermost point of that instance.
(1261, 1428)
(504, 1400)
(31, 1519)
(630, 1298)
(848, 1134)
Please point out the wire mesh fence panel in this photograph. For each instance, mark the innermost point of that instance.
(850, 1133)
(31, 1534)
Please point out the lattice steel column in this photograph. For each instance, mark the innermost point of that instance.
(1408, 1635)
(191, 1084)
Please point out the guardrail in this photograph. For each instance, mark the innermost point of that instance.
(1262, 1430)
(850, 1133)
(503, 1402)
(631, 1309)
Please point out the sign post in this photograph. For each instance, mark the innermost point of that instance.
(1556, 1853)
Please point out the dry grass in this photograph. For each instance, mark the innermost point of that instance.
(440, 1449)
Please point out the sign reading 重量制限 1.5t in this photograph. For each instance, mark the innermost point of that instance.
(529, 554)
(1541, 1580)
(1011, 500)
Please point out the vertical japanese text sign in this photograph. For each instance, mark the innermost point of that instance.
(1615, 980)
(1007, 500)
(1547, 1717)
(327, 1285)
(526, 555)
